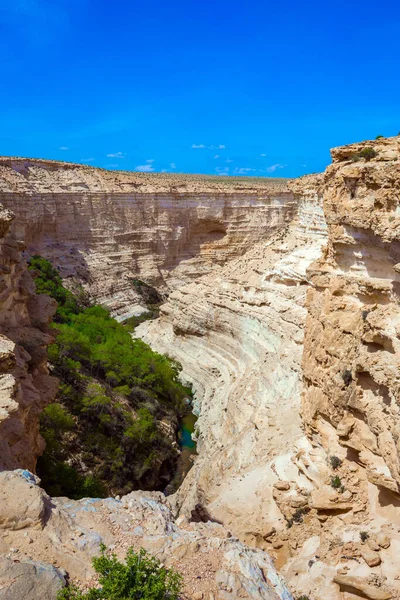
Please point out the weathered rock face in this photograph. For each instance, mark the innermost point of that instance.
(25, 385)
(214, 564)
(238, 333)
(106, 228)
(351, 357)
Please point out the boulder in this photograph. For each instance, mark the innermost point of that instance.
(29, 580)
(21, 500)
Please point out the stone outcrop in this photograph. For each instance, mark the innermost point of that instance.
(105, 229)
(25, 384)
(214, 565)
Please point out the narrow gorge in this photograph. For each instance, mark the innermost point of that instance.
(280, 299)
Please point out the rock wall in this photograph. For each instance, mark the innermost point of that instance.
(106, 228)
(238, 333)
(25, 385)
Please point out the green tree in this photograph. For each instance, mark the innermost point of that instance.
(141, 577)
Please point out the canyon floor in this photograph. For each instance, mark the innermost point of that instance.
(281, 302)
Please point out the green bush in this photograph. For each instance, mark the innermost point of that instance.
(141, 577)
(336, 482)
(113, 391)
(335, 462)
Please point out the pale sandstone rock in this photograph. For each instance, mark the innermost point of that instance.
(208, 559)
(25, 385)
(371, 557)
(29, 580)
(21, 501)
(107, 228)
(358, 585)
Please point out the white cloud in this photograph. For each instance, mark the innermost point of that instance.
(222, 170)
(150, 160)
(243, 170)
(263, 155)
(274, 168)
(63, 148)
(116, 155)
(87, 159)
(216, 156)
(173, 166)
(197, 146)
(221, 147)
(229, 160)
(144, 168)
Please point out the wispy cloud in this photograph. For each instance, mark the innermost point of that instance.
(173, 166)
(220, 147)
(222, 170)
(229, 160)
(116, 155)
(263, 155)
(243, 170)
(198, 146)
(216, 156)
(144, 168)
(274, 168)
(63, 148)
(150, 160)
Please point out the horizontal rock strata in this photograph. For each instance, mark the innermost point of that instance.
(107, 228)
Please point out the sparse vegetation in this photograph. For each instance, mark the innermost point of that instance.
(347, 377)
(335, 462)
(364, 535)
(113, 392)
(379, 137)
(367, 153)
(141, 576)
(336, 483)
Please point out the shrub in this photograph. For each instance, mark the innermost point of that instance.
(366, 153)
(141, 576)
(379, 137)
(336, 482)
(347, 377)
(364, 535)
(335, 462)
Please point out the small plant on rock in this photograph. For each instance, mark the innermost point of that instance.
(347, 377)
(364, 535)
(336, 482)
(335, 462)
(141, 576)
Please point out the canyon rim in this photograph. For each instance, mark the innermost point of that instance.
(280, 299)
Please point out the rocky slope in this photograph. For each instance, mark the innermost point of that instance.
(107, 228)
(45, 539)
(25, 384)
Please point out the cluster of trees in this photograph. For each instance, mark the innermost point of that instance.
(102, 434)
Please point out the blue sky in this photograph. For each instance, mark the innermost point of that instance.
(247, 88)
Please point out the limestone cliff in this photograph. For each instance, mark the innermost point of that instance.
(107, 228)
(25, 385)
(238, 333)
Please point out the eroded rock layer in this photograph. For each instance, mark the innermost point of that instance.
(25, 384)
(238, 333)
(107, 228)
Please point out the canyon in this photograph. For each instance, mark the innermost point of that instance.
(281, 302)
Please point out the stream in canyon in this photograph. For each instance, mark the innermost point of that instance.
(188, 449)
